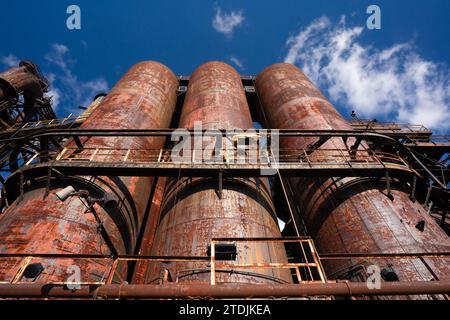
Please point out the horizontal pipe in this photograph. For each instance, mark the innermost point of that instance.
(168, 132)
(127, 291)
(102, 256)
(329, 256)
(323, 256)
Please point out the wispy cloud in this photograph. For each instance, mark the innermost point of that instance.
(226, 22)
(67, 90)
(53, 91)
(9, 61)
(393, 83)
(238, 63)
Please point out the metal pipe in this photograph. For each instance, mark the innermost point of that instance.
(150, 225)
(168, 131)
(180, 291)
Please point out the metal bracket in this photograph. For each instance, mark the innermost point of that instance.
(388, 186)
(219, 191)
(413, 189)
(55, 142)
(355, 147)
(316, 145)
(78, 142)
(47, 184)
(430, 207)
(427, 198)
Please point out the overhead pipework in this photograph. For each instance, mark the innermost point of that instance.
(100, 215)
(349, 215)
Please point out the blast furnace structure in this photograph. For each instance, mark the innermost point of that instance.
(98, 205)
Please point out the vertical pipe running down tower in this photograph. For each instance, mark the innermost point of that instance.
(192, 213)
(348, 215)
(149, 231)
(144, 98)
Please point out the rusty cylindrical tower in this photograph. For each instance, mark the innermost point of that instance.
(192, 212)
(23, 80)
(144, 98)
(350, 215)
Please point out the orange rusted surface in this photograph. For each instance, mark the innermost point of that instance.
(348, 215)
(192, 213)
(148, 237)
(23, 80)
(144, 98)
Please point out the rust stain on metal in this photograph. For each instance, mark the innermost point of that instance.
(144, 98)
(142, 267)
(22, 80)
(192, 213)
(347, 215)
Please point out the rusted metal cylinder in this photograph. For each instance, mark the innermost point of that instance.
(110, 218)
(22, 80)
(192, 212)
(348, 215)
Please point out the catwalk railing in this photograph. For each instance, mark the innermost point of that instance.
(315, 283)
(247, 162)
(355, 159)
(323, 136)
(309, 270)
(389, 127)
(359, 158)
(37, 137)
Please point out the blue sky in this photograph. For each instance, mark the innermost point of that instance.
(400, 72)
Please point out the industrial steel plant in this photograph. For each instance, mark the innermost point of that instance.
(216, 185)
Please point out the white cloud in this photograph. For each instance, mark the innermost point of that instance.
(57, 55)
(9, 61)
(393, 83)
(226, 23)
(238, 63)
(297, 43)
(66, 88)
(53, 91)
